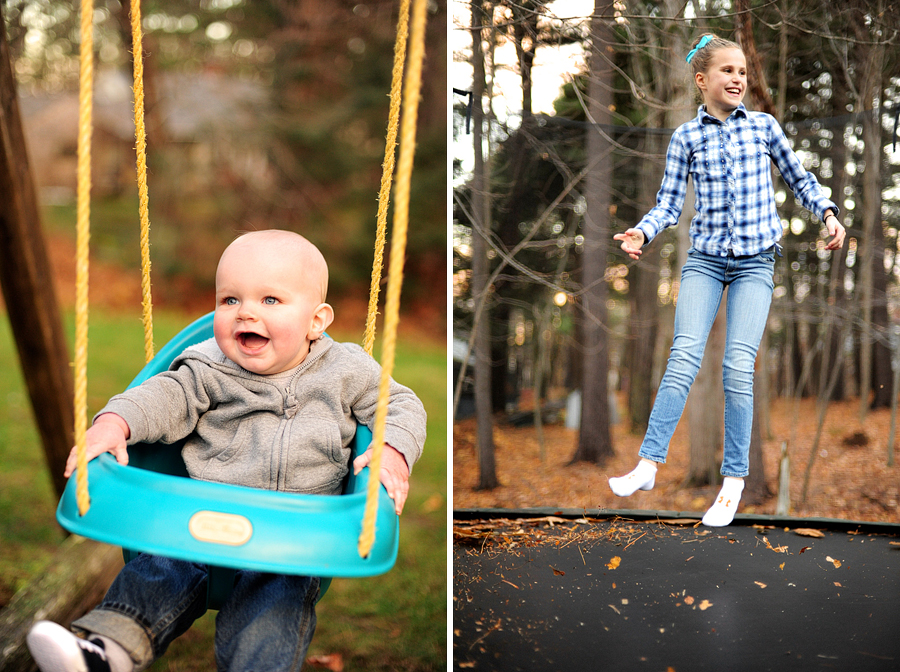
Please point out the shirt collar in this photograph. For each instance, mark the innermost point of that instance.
(705, 117)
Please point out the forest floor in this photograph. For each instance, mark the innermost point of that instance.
(850, 478)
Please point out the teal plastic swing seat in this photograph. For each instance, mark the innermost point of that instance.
(152, 506)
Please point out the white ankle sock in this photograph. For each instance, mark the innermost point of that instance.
(721, 513)
(642, 477)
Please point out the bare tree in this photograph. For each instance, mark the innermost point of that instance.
(487, 477)
(594, 440)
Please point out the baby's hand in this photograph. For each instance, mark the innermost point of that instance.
(107, 435)
(632, 242)
(394, 473)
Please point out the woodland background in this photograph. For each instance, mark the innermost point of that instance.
(549, 314)
(267, 114)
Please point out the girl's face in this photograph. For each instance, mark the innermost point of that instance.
(724, 83)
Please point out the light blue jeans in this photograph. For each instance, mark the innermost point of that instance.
(703, 281)
(265, 625)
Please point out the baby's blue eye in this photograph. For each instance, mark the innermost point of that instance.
(270, 300)
(230, 301)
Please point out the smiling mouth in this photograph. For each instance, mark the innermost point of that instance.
(252, 341)
(734, 92)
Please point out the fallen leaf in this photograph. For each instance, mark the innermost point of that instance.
(467, 665)
(688, 600)
(612, 564)
(704, 605)
(894, 543)
(614, 609)
(776, 549)
(760, 584)
(556, 572)
(809, 532)
(838, 584)
(804, 549)
(836, 563)
(679, 521)
(781, 566)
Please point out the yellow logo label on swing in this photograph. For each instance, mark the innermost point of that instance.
(215, 527)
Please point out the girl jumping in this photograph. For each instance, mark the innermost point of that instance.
(726, 150)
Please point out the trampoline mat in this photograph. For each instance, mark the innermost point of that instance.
(551, 593)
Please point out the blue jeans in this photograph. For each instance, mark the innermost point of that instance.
(703, 281)
(265, 625)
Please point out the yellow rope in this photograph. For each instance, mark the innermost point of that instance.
(140, 136)
(395, 270)
(83, 232)
(387, 174)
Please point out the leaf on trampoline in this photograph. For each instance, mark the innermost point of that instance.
(612, 564)
(804, 549)
(704, 605)
(809, 532)
(760, 584)
(894, 543)
(776, 549)
(688, 600)
(557, 572)
(836, 563)
(679, 521)
(838, 584)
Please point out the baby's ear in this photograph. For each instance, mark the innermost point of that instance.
(321, 320)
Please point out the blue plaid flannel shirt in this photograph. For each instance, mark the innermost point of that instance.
(729, 163)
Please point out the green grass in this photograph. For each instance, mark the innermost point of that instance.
(397, 621)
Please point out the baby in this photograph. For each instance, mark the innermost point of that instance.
(270, 402)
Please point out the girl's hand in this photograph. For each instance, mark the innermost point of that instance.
(835, 229)
(632, 242)
(107, 435)
(394, 473)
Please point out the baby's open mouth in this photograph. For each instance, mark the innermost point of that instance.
(252, 341)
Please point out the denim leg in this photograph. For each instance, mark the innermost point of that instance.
(267, 623)
(702, 285)
(152, 601)
(749, 297)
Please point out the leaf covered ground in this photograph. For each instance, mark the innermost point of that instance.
(850, 477)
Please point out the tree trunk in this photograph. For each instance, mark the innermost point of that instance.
(594, 439)
(870, 94)
(756, 487)
(487, 476)
(27, 282)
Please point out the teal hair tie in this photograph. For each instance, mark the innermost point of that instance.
(702, 43)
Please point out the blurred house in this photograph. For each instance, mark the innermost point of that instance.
(211, 131)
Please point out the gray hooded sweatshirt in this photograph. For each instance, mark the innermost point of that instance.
(289, 431)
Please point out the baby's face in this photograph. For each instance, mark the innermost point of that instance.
(269, 306)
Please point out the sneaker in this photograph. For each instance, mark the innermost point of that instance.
(55, 649)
